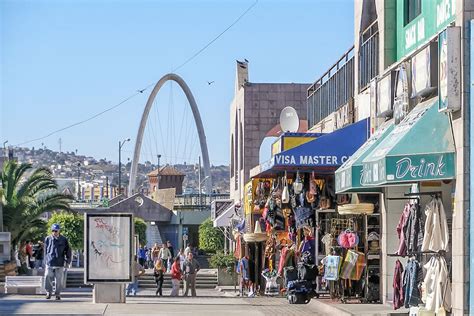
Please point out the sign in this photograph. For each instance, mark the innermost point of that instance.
(108, 243)
(185, 230)
(423, 74)
(435, 16)
(343, 116)
(449, 73)
(218, 207)
(304, 160)
(384, 106)
(185, 237)
(401, 103)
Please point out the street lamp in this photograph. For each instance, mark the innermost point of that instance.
(78, 184)
(121, 143)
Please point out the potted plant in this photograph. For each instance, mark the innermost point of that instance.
(225, 265)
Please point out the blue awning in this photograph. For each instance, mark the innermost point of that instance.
(323, 155)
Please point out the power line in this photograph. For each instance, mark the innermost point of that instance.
(144, 89)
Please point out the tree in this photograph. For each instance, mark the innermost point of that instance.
(72, 227)
(140, 229)
(211, 239)
(25, 195)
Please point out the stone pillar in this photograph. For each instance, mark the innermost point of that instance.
(108, 293)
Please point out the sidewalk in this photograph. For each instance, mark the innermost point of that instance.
(329, 307)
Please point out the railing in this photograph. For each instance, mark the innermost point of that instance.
(187, 200)
(334, 89)
(368, 55)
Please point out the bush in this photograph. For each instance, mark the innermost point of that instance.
(223, 261)
(211, 239)
(72, 227)
(140, 229)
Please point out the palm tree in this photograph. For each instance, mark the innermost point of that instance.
(25, 195)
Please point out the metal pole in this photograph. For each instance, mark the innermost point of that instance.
(120, 171)
(199, 179)
(78, 183)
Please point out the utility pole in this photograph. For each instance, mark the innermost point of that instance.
(121, 143)
(60, 141)
(199, 180)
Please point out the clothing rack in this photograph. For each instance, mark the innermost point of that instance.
(411, 254)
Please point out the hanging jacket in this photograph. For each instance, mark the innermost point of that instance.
(414, 229)
(398, 298)
(437, 285)
(436, 236)
(402, 247)
(412, 279)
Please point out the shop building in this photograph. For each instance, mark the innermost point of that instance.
(254, 114)
(406, 80)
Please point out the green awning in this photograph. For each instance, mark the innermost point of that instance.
(349, 175)
(419, 148)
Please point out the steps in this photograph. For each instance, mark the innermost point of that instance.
(204, 280)
(75, 279)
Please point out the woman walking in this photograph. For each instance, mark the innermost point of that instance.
(159, 276)
(175, 276)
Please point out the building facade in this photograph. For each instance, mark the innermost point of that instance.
(254, 114)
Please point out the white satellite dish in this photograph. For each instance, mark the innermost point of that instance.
(289, 121)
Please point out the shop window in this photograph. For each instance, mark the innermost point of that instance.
(412, 9)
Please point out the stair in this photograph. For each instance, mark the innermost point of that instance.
(204, 280)
(75, 279)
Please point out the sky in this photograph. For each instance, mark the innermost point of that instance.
(63, 61)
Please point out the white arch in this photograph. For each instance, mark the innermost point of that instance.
(197, 120)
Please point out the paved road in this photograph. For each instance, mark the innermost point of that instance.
(80, 304)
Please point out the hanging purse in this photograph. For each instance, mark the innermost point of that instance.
(325, 201)
(298, 184)
(285, 195)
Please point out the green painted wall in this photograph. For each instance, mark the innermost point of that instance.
(435, 16)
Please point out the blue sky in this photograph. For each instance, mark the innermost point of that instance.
(63, 61)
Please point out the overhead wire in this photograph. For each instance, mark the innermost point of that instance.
(140, 91)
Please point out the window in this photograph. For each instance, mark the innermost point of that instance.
(412, 9)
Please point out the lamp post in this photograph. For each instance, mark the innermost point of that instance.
(78, 184)
(121, 143)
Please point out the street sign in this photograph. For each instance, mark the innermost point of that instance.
(185, 230)
(185, 237)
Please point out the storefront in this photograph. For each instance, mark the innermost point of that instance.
(285, 202)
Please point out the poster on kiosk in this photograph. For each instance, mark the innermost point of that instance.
(108, 245)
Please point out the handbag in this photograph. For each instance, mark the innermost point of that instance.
(348, 239)
(307, 272)
(303, 216)
(285, 195)
(331, 268)
(298, 184)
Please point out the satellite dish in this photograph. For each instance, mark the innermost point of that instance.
(289, 121)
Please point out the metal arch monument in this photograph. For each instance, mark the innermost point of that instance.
(197, 120)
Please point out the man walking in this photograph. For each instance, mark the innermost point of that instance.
(57, 254)
(191, 268)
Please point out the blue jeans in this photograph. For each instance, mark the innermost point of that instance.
(56, 274)
(132, 287)
(39, 264)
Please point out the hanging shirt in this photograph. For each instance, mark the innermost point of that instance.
(436, 227)
(398, 298)
(411, 283)
(327, 241)
(402, 247)
(437, 285)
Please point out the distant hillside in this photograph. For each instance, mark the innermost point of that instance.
(70, 165)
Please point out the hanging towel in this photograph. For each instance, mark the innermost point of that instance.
(436, 236)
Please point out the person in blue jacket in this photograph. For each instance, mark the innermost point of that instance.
(57, 254)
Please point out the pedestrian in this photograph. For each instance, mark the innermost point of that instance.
(57, 255)
(158, 273)
(176, 277)
(38, 254)
(182, 258)
(170, 247)
(191, 268)
(188, 249)
(138, 271)
(149, 260)
(164, 255)
(29, 253)
(155, 251)
(141, 255)
(22, 259)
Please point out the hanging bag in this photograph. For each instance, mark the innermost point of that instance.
(285, 195)
(298, 184)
